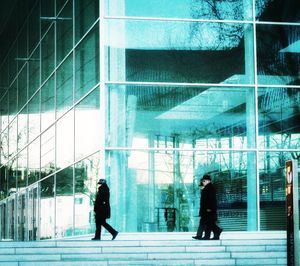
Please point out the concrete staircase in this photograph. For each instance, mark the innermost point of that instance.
(149, 249)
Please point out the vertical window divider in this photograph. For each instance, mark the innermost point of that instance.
(256, 115)
(102, 86)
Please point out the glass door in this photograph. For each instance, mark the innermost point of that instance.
(21, 216)
(2, 220)
(10, 226)
(33, 213)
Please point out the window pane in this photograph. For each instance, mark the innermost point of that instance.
(34, 73)
(272, 190)
(12, 177)
(34, 116)
(13, 137)
(279, 118)
(196, 9)
(166, 51)
(34, 28)
(87, 131)
(22, 87)
(87, 63)
(34, 161)
(65, 140)
(159, 184)
(216, 117)
(64, 29)
(86, 13)
(13, 100)
(86, 177)
(4, 146)
(22, 169)
(4, 111)
(48, 152)
(47, 54)
(22, 128)
(47, 104)
(64, 86)
(279, 11)
(47, 208)
(278, 54)
(64, 203)
(47, 11)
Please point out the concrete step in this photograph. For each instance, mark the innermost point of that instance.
(149, 249)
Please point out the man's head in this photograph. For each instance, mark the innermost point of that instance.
(206, 179)
(101, 181)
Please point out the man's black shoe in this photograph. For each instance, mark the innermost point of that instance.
(197, 237)
(115, 235)
(95, 238)
(217, 237)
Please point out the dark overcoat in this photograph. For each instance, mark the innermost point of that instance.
(102, 206)
(208, 201)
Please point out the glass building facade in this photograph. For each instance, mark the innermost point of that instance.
(150, 94)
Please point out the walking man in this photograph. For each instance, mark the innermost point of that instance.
(208, 211)
(102, 211)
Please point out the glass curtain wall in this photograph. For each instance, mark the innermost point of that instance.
(150, 95)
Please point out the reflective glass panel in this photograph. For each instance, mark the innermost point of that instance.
(22, 46)
(34, 161)
(48, 152)
(64, 86)
(64, 203)
(4, 111)
(64, 31)
(62, 4)
(22, 87)
(13, 137)
(272, 190)
(279, 11)
(47, 54)
(12, 176)
(86, 13)
(163, 194)
(13, 100)
(22, 169)
(34, 73)
(168, 51)
(278, 54)
(13, 64)
(279, 118)
(87, 63)
(209, 117)
(34, 116)
(65, 140)
(47, 10)
(47, 103)
(3, 179)
(34, 28)
(86, 177)
(22, 128)
(196, 9)
(87, 125)
(4, 146)
(47, 208)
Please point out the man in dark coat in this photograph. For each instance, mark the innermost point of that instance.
(208, 211)
(102, 211)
